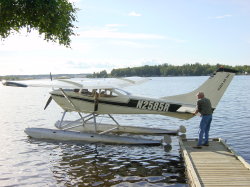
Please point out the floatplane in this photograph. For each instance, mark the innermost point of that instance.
(91, 98)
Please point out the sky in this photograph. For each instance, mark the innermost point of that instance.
(128, 33)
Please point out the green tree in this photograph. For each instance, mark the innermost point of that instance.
(103, 74)
(53, 18)
(196, 69)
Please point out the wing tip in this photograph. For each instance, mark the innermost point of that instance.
(15, 84)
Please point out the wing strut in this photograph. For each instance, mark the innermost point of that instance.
(114, 120)
(109, 130)
(95, 109)
(72, 104)
(60, 125)
(93, 115)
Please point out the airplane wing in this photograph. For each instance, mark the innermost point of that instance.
(37, 83)
(85, 83)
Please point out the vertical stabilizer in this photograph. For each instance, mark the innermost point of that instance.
(213, 88)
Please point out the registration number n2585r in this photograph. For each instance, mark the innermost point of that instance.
(152, 105)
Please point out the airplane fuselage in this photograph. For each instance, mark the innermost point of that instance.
(113, 101)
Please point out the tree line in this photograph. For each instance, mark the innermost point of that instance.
(165, 70)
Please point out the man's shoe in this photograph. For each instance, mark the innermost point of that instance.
(197, 147)
(205, 144)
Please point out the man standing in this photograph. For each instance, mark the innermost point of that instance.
(205, 109)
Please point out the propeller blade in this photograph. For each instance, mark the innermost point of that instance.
(50, 76)
(48, 102)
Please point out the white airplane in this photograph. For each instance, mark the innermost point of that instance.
(104, 97)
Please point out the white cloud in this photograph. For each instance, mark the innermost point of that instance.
(111, 31)
(132, 44)
(113, 34)
(90, 65)
(133, 13)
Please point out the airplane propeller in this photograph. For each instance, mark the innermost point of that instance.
(48, 102)
(50, 98)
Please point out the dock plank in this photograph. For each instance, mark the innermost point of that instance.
(214, 165)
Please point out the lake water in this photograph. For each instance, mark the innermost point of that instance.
(29, 162)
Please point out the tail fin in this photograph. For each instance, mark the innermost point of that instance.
(213, 88)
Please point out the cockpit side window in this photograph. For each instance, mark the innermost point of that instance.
(85, 92)
(98, 92)
(107, 93)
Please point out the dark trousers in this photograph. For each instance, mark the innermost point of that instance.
(204, 128)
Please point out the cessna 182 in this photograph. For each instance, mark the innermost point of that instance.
(104, 96)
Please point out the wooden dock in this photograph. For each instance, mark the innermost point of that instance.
(214, 165)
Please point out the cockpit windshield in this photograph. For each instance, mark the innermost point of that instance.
(122, 92)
